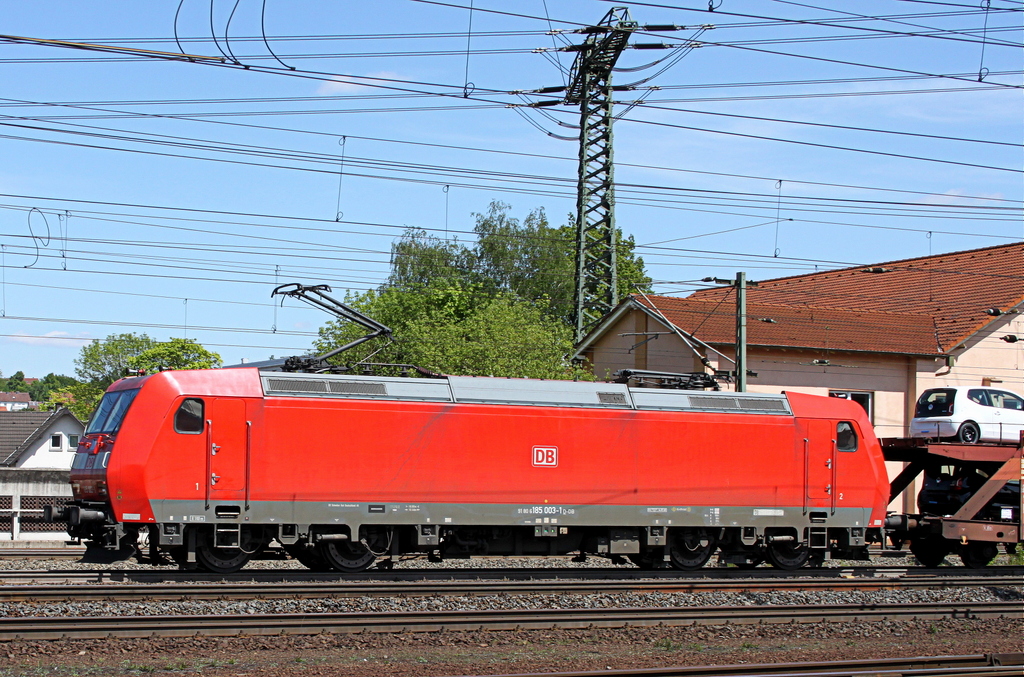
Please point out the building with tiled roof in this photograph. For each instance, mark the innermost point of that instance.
(14, 401)
(878, 334)
(39, 439)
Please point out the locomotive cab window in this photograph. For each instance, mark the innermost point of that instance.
(846, 436)
(189, 417)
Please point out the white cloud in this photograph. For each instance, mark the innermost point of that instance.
(57, 339)
(341, 84)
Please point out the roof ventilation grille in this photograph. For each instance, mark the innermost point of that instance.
(296, 385)
(704, 402)
(762, 405)
(358, 388)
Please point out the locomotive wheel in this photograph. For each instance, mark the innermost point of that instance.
(977, 555)
(311, 558)
(968, 433)
(787, 555)
(929, 550)
(690, 548)
(347, 557)
(224, 560)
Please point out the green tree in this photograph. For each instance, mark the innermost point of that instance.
(100, 363)
(504, 336)
(500, 306)
(178, 353)
(81, 398)
(41, 389)
(530, 259)
(103, 362)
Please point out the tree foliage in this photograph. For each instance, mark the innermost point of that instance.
(40, 389)
(530, 259)
(499, 306)
(102, 362)
(178, 353)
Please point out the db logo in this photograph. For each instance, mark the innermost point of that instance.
(545, 456)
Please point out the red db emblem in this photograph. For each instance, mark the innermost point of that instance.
(545, 456)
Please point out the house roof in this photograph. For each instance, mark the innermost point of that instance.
(815, 328)
(20, 429)
(15, 397)
(951, 291)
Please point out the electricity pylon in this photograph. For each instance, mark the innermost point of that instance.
(590, 87)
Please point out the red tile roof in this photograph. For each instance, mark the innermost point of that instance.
(948, 291)
(15, 397)
(808, 327)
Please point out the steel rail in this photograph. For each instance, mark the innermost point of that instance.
(306, 590)
(30, 576)
(86, 627)
(41, 553)
(923, 666)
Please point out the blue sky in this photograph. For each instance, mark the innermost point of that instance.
(168, 197)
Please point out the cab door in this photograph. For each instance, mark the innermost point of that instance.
(819, 462)
(228, 444)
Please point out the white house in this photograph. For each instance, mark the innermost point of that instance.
(36, 450)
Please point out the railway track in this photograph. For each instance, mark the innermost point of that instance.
(324, 589)
(926, 666)
(97, 576)
(227, 625)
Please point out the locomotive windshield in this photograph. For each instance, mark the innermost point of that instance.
(935, 402)
(111, 411)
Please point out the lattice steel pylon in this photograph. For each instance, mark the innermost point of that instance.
(590, 86)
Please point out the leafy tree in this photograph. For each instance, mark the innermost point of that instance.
(499, 306)
(457, 329)
(100, 363)
(41, 389)
(504, 336)
(81, 398)
(103, 362)
(178, 353)
(530, 259)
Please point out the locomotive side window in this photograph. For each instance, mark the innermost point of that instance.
(189, 417)
(846, 436)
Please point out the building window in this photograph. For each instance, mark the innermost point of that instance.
(864, 399)
(72, 442)
(56, 440)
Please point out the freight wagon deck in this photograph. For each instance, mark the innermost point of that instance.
(970, 501)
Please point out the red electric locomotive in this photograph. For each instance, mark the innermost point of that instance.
(210, 466)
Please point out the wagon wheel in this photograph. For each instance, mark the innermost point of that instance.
(347, 557)
(978, 554)
(929, 550)
(788, 555)
(225, 560)
(311, 558)
(690, 548)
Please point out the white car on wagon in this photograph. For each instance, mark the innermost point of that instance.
(969, 414)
